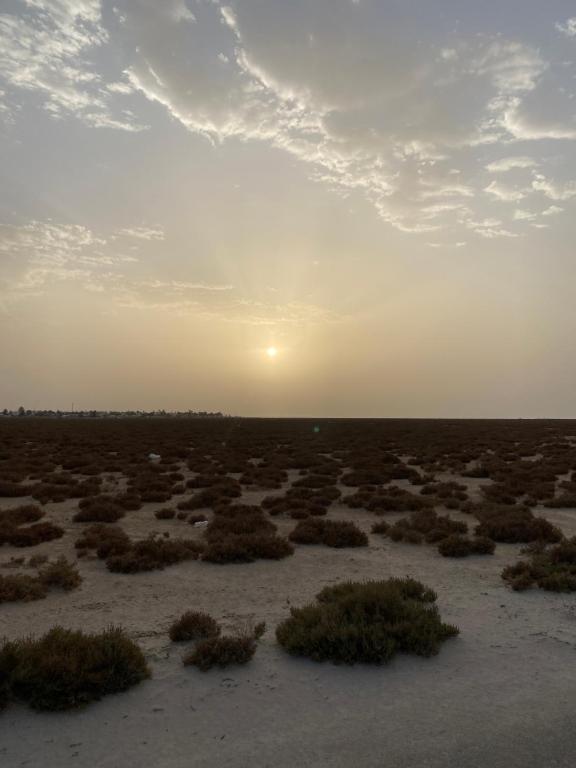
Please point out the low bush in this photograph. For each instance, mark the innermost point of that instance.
(105, 539)
(99, 509)
(193, 625)
(512, 524)
(246, 548)
(34, 534)
(331, 533)
(425, 525)
(164, 514)
(154, 554)
(457, 545)
(27, 513)
(366, 622)
(65, 668)
(381, 527)
(552, 569)
(221, 652)
(21, 588)
(60, 574)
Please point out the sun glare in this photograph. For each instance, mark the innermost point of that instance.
(271, 352)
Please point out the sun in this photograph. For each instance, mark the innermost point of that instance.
(272, 352)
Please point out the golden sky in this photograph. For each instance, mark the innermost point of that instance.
(382, 191)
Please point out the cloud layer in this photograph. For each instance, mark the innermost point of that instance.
(380, 100)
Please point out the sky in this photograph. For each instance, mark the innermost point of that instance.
(383, 191)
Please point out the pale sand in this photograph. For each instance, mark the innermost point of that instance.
(502, 694)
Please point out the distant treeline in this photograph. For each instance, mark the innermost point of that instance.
(49, 414)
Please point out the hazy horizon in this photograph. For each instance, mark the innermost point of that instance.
(321, 208)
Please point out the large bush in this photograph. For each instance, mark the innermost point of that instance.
(66, 668)
(366, 622)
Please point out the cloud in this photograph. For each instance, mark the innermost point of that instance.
(143, 233)
(409, 103)
(40, 255)
(568, 28)
(506, 164)
(44, 46)
(553, 190)
(504, 192)
(412, 103)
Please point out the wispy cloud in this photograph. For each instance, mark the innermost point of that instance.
(44, 45)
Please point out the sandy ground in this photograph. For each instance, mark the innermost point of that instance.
(501, 694)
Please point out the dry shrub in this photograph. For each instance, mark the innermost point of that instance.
(99, 509)
(216, 651)
(13, 490)
(193, 625)
(425, 525)
(193, 519)
(366, 622)
(60, 574)
(22, 588)
(165, 514)
(37, 560)
(457, 545)
(27, 513)
(154, 554)
(245, 548)
(380, 527)
(221, 652)
(390, 499)
(34, 534)
(105, 539)
(513, 524)
(65, 668)
(552, 569)
(331, 533)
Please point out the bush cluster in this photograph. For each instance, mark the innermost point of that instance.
(366, 622)
(552, 569)
(240, 533)
(426, 525)
(22, 587)
(224, 650)
(193, 625)
(457, 545)
(512, 524)
(153, 554)
(65, 668)
(331, 533)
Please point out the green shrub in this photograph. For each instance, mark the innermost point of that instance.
(552, 569)
(366, 622)
(99, 509)
(193, 625)
(61, 574)
(154, 554)
(34, 534)
(425, 525)
(457, 545)
(513, 524)
(105, 539)
(26, 513)
(246, 548)
(221, 652)
(65, 668)
(331, 533)
(21, 587)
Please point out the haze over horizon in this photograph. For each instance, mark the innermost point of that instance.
(307, 208)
